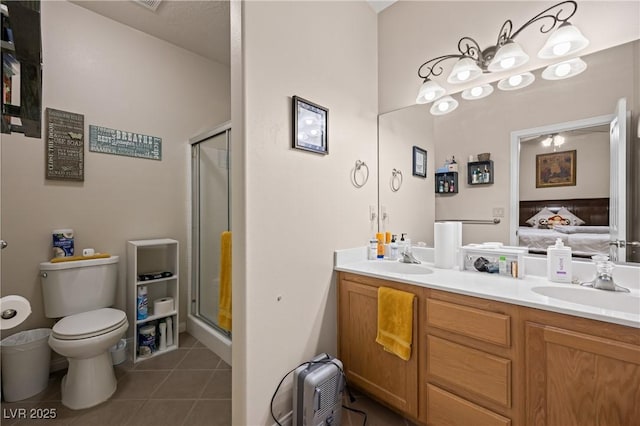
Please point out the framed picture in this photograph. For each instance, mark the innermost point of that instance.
(310, 126)
(419, 162)
(556, 169)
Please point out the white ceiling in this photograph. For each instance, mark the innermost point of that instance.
(201, 27)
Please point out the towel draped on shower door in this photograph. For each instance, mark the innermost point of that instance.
(224, 295)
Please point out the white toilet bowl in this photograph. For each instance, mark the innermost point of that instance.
(85, 340)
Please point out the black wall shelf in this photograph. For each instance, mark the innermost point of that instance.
(446, 183)
(480, 172)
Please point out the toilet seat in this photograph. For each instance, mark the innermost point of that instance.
(89, 324)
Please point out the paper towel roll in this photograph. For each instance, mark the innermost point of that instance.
(447, 239)
(162, 306)
(14, 309)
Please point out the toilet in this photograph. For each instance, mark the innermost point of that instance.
(80, 295)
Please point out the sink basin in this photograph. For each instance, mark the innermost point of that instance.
(614, 301)
(398, 268)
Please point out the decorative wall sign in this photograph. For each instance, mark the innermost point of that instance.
(65, 145)
(122, 142)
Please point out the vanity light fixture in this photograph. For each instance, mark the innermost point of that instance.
(516, 81)
(444, 106)
(477, 92)
(564, 69)
(506, 54)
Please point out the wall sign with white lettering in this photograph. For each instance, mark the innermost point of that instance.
(65, 145)
(121, 142)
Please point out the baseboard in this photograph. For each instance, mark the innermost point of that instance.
(286, 420)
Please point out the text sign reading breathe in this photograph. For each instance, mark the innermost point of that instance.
(121, 142)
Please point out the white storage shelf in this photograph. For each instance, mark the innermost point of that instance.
(146, 257)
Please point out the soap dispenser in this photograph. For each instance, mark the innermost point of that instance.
(559, 262)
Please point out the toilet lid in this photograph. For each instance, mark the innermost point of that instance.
(89, 324)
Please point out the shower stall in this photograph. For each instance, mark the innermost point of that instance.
(210, 218)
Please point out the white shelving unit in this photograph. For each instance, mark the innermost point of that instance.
(146, 257)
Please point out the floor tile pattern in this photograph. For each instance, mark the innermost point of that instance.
(190, 386)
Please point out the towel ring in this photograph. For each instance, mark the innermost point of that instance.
(356, 169)
(396, 180)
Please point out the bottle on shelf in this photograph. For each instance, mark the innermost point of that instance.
(142, 303)
(474, 176)
(486, 175)
(446, 186)
(452, 187)
(441, 187)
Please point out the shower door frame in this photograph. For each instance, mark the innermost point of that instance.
(195, 217)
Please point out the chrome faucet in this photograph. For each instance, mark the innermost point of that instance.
(408, 257)
(604, 277)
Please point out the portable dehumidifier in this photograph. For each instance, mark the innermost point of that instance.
(317, 392)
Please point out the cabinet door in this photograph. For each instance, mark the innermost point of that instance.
(366, 364)
(579, 379)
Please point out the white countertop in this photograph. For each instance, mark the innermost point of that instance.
(509, 290)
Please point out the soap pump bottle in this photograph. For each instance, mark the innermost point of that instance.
(393, 248)
(559, 262)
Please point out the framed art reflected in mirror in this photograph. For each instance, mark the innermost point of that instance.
(556, 169)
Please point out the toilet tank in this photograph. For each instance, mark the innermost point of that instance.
(78, 286)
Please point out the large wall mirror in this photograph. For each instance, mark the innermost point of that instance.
(487, 125)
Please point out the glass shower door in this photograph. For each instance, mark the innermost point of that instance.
(211, 205)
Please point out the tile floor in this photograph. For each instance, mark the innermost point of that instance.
(190, 386)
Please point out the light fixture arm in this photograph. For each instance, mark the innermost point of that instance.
(551, 18)
(469, 48)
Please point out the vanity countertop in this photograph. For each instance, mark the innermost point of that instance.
(531, 291)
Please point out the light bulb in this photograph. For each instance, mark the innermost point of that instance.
(507, 63)
(515, 80)
(429, 96)
(314, 132)
(563, 69)
(561, 48)
(308, 121)
(476, 91)
(464, 75)
(546, 142)
(443, 106)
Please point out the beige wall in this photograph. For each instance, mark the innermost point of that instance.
(592, 167)
(298, 206)
(119, 78)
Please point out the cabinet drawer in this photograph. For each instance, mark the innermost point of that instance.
(487, 376)
(447, 409)
(487, 326)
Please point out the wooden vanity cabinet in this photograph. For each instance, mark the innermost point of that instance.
(580, 371)
(367, 365)
(470, 359)
(477, 361)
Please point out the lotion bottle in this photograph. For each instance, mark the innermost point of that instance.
(559, 262)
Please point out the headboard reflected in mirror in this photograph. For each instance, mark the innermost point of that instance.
(586, 232)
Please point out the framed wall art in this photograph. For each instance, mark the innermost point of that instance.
(556, 169)
(419, 162)
(310, 126)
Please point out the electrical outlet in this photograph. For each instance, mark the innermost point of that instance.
(498, 212)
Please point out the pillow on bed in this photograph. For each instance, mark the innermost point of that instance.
(534, 220)
(573, 219)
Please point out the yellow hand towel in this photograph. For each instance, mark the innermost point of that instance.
(72, 258)
(395, 321)
(224, 294)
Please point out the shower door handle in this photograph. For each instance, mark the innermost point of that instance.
(3, 244)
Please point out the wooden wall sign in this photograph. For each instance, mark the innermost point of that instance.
(65, 145)
(122, 142)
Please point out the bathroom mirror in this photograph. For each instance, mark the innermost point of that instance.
(486, 126)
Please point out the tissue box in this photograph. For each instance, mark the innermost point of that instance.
(494, 258)
(452, 167)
